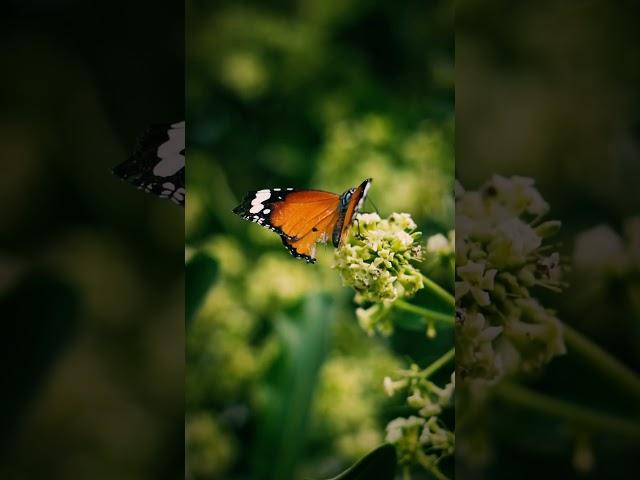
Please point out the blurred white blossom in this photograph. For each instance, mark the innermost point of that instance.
(600, 249)
(502, 256)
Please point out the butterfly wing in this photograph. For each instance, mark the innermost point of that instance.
(157, 164)
(300, 217)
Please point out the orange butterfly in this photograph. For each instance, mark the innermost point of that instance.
(304, 217)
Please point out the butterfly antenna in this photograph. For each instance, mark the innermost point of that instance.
(374, 205)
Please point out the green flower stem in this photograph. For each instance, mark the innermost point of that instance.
(439, 291)
(428, 465)
(406, 473)
(526, 398)
(602, 360)
(439, 363)
(424, 312)
(435, 471)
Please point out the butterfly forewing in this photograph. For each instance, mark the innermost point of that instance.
(157, 164)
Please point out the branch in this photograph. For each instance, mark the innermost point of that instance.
(439, 363)
(526, 398)
(602, 360)
(439, 291)
(424, 312)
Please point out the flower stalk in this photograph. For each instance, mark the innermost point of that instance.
(439, 363)
(438, 290)
(603, 361)
(439, 317)
(523, 397)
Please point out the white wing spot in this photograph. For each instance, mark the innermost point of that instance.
(179, 194)
(171, 158)
(266, 211)
(256, 203)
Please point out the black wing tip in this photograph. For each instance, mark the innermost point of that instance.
(123, 170)
(245, 205)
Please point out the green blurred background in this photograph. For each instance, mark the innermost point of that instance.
(550, 90)
(281, 381)
(91, 271)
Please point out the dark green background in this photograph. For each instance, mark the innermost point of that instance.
(91, 271)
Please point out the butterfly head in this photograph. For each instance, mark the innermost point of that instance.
(365, 189)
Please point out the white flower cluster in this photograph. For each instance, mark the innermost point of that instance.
(378, 262)
(501, 257)
(415, 435)
(377, 259)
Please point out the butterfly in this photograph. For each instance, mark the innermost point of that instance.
(157, 163)
(304, 217)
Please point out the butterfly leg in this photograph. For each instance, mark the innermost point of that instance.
(359, 235)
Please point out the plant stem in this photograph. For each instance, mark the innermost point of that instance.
(438, 290)
(439, 363)
(524, 397)
(406, 473)
(435, 471)
(431, 467)
(424, 312)
(602, 360)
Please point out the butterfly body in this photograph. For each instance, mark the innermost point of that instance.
(303, 218)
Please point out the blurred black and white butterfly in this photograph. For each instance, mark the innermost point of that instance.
(157, 164)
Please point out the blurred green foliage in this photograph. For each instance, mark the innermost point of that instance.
(91, 270)
(317, 94)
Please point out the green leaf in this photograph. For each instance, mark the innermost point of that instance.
(201, 271)
(285, 400)
(379, 464)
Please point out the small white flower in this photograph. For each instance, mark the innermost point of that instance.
(599, 249)
(438, 244)
(397, 427)
(390, 386)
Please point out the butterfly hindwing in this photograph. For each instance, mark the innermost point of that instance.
(158, 165)
(305, 245)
